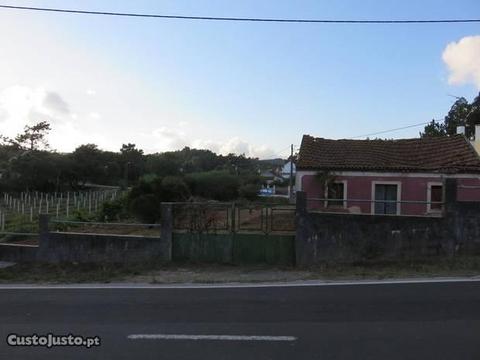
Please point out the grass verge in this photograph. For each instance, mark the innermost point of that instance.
(202, 273)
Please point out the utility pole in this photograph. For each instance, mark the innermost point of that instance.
(290, 188)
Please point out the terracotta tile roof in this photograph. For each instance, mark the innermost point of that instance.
(452, 154)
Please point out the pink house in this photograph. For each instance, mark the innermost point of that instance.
(394, 177)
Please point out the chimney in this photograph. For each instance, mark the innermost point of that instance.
(476, 138)
(461, 130)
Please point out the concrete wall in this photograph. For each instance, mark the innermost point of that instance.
(18, 252)
(94, 248)
(413, 188)
(324, 237)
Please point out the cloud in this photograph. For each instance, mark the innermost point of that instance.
(166, 139)
(69, 135)
(95, 115)
(23, 105)
(170, 138)
(235, 145)
(55, 103)
(463, 61)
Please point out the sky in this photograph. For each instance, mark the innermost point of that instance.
(252, 88)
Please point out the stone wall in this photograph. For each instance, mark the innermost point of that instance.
(323, 237)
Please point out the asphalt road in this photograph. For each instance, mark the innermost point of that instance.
(379, 321)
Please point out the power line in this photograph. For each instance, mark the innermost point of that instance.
(390, 130)
(243, 19)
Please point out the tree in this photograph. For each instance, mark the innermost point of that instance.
(33, 137)
(433, 129)
(88, 164)
(132, 161)
(462, 113)
(33, 170)
(457, 116)
(131, 151)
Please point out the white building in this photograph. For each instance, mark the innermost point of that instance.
(285, 170)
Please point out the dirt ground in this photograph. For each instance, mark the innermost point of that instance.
(219, 274)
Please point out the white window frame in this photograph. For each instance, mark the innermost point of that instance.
(382, 182)
(344, 182)
(429, 196)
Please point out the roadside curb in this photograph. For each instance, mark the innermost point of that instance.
(307, 283)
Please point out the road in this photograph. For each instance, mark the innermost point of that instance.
(370, 321)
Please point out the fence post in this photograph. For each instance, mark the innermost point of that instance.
(166, 232)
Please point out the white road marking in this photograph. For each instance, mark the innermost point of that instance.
(210, 337)
(309, 283)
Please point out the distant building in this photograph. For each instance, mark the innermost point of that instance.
(285, 169)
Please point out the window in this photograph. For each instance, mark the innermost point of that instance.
(435, 197)
(386, 196)
(335, 191)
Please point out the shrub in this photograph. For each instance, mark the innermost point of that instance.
(249, 191)
(114, 210)
(82, 215)
(217, 185)
(146, 208)
(142, 188)
(173, 188)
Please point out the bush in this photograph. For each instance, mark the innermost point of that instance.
(217, 185)
(249, 191)
(82, 215)
(173, 188)
(143, 188)
(114, 210)
(146, 208)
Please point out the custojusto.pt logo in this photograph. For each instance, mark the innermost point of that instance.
(51, 340)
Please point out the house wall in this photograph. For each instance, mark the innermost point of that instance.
(359, 186)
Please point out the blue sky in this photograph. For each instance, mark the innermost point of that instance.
(243, 87)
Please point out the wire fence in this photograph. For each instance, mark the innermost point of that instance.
(233, 217)
(105, 228)
(18, 223)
